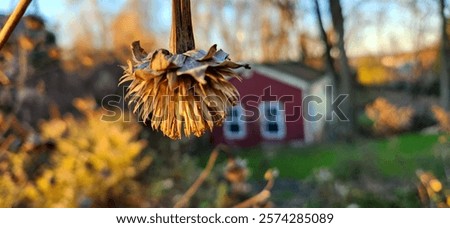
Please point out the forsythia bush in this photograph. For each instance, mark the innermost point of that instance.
(13, 174)
(388, 119)
(12, 179)
(95, 162)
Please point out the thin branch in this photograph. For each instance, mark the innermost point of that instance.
(260, 197)
(4, 80)
(263, 195)
(12, 21)
(184, 200)
(4, 146)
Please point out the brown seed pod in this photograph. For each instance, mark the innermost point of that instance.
(188, 91)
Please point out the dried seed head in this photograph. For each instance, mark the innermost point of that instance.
(236, 171)
(188, 91)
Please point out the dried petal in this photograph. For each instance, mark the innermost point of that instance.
(139, 53)
(159, 61)
(212, 51)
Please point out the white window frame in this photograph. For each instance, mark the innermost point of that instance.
(239, 120)
(280, 119)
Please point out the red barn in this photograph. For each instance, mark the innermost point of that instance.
(271, 106)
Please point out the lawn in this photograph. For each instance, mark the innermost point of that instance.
(398, 156)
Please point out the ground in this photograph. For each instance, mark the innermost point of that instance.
(398, 156)
(377, 172)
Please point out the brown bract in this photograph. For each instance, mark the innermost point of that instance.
(188, 91)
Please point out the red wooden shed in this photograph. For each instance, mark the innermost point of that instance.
(271, 106)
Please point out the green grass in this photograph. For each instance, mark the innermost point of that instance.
(398, 156)
(402, 155)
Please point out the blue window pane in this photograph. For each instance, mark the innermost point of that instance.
(234, 128)
(272, 127)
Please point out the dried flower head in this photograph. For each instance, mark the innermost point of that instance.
(175, 91)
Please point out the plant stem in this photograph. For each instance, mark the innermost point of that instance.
(258, 198)
(262, 196)
(181, 35)
(12, 21)
(184, 200)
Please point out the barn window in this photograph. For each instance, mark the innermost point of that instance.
(235, 125)
(272, 120)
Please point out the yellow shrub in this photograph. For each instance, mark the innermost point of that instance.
(13, 178)
(94, 162)
(10, 191)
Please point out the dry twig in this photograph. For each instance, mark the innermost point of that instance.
(264, 195)
(4, 80)
(184, 200)
(12, 21)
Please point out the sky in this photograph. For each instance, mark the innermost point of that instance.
(364, 36)
(59, 15)
(54, 13)
(398, 30)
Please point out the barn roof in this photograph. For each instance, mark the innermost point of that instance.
(291, 73)
(296, 69)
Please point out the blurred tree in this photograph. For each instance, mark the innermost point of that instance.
(86, 32)
(129, 26)
(444, 79)
(329, 63)
(346, 82)
(286, 23)
(266, 27)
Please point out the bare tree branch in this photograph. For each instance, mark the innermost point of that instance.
(323, 35)
(12, 21)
